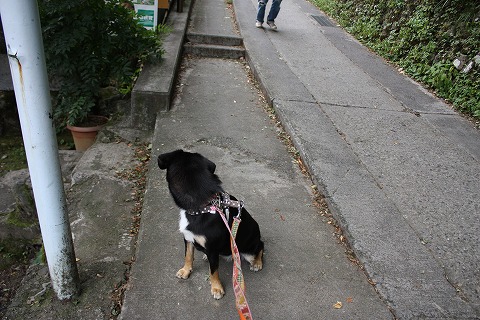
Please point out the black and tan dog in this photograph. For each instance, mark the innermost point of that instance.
(195, 187)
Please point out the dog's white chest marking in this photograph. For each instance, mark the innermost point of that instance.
(187, 234)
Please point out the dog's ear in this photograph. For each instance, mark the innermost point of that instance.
(165, 159)
(210, 165)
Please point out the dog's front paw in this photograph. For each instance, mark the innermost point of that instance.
(257, 263)
(256, 266)
(183, 273)
(218, 292)
(217, 288)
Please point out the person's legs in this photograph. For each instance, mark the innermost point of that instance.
(274, 10)
(262, 4)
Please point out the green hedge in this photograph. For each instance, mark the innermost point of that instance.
(423, 38)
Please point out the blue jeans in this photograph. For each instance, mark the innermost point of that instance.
(274, 10)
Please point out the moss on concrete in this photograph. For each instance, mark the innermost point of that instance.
(15, 218)
(12, 156)
(13, 251)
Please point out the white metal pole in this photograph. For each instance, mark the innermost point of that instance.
(21, 26)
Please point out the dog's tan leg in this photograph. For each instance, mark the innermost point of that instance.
(257, 263)
(187, 268)
(217, 288)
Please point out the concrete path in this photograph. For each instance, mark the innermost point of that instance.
(219, 113)
(399, 169)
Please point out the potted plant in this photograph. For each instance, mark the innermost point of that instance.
(89, 45)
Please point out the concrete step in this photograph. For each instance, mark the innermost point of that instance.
(221, 40)
(214, 51)
(214, 46)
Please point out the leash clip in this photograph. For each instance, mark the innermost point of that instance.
(240, 208)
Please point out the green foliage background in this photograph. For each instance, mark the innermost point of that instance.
(90, 44)
(423, 37)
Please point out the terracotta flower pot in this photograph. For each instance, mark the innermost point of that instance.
(84, 135)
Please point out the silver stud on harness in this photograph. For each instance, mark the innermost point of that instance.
(221, 201)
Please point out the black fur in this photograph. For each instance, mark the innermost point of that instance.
(191, 178)
(193, 183)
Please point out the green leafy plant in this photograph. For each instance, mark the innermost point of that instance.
(90, 44)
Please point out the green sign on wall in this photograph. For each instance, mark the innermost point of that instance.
(147, 11)
(146, 18)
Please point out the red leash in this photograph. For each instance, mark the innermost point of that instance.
(237, 277)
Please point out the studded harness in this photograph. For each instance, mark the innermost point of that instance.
(221, 201)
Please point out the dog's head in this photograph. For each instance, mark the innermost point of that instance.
(191, 178)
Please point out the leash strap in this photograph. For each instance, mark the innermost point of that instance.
(237, 277)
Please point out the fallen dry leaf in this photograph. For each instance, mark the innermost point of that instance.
(338, 305)
(349, 300)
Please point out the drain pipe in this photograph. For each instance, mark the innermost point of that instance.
(21, 26)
